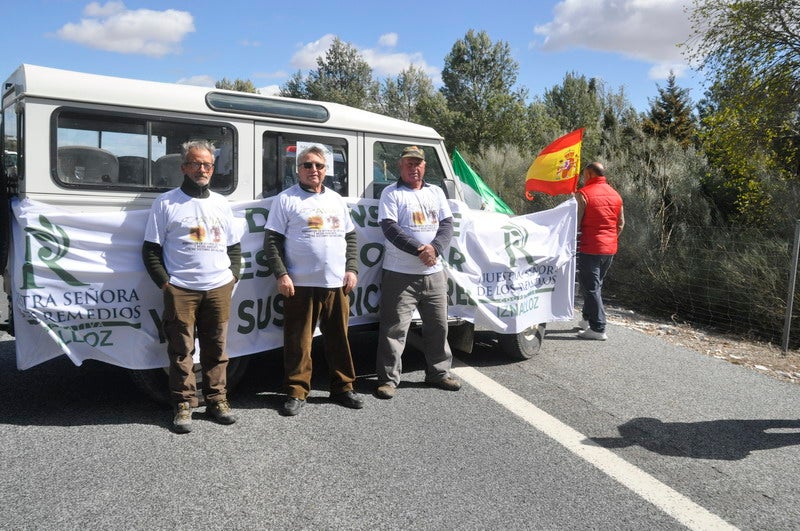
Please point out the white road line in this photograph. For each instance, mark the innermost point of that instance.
(668, 500)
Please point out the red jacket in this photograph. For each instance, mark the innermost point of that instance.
(600, 218)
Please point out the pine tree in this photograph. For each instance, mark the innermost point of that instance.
(670, 115)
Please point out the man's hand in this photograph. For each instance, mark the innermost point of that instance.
(427, 253)
(286, 286)
(350, 281)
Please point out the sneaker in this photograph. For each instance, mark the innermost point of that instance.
(221, 412)
(292, 407)
(349, 399)
(182, 423)
(583, 324)
(591, 334)
(448, 384)
(385, 391)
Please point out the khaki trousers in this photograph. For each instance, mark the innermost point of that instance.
(329, 307)
(204, 315)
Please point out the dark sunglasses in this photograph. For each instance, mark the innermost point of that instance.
(309, 165)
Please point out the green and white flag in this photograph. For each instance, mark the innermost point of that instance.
(489, 199)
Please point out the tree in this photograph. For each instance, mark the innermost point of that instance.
(241, 85)
(295, 87)
(342, 76)
(670, 115)
(764, 34)
(576, 103)
(750, 128)
(478, 78)
(400, 97)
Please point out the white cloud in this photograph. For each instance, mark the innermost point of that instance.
(382, 63)
(647, 30)
(388, 40)
(115, 28)
(198, 81)
(110, 8)
(662, 70)
(278, 74)
(306, 57)
(270, 90)
(250, 44)
(391, 64)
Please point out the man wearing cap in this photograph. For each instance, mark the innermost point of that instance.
(418, 224)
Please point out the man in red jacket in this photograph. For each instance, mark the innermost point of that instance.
(600, 218)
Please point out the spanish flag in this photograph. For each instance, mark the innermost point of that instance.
(555, 170)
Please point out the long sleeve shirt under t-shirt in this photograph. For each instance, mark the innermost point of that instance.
(196, 232)
(419, 214)
(315, 228)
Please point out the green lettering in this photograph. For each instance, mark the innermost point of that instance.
(456, 259)
(256, 219)
(516, 238)
(371, 254)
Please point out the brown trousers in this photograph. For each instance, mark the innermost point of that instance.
(204, 315)
(310, 305)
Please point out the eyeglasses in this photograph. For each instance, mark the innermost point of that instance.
(309, 165)
(197, 165)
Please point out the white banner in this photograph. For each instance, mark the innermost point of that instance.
(79, 286)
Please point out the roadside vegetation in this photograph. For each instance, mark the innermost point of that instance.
(711, 187)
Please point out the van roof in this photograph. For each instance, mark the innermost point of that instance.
(56, 84)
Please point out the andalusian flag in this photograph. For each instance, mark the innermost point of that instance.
(488, 198)
(555, 170)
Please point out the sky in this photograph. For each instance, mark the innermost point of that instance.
(629, 44)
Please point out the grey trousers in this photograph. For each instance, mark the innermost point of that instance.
(401, 294)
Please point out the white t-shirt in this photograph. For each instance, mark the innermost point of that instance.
(314, 225)
(418, 213)
(195, 235)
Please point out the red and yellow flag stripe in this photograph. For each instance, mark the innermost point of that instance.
(555, 170)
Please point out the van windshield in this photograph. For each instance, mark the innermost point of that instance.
(280, 161)
(385, 159)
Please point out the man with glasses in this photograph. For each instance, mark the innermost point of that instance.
(192, 252)
(311, 247)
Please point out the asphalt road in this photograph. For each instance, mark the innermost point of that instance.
(631, 433)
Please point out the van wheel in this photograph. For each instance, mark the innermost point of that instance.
(154, 383)
(525, 344)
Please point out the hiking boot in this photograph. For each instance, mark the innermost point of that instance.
(448, 384)
(583, 324)
(591, 334)
(292, 407)
(182, 423)
(349, 399)
(221, 412)
(385, 391)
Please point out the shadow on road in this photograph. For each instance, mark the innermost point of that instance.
(58, 393)
(727, 440)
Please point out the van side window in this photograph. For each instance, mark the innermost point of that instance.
(385, 157)
(11, 150)
(112, 150)
(279, 161)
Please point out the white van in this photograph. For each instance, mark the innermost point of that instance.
(88, 143)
